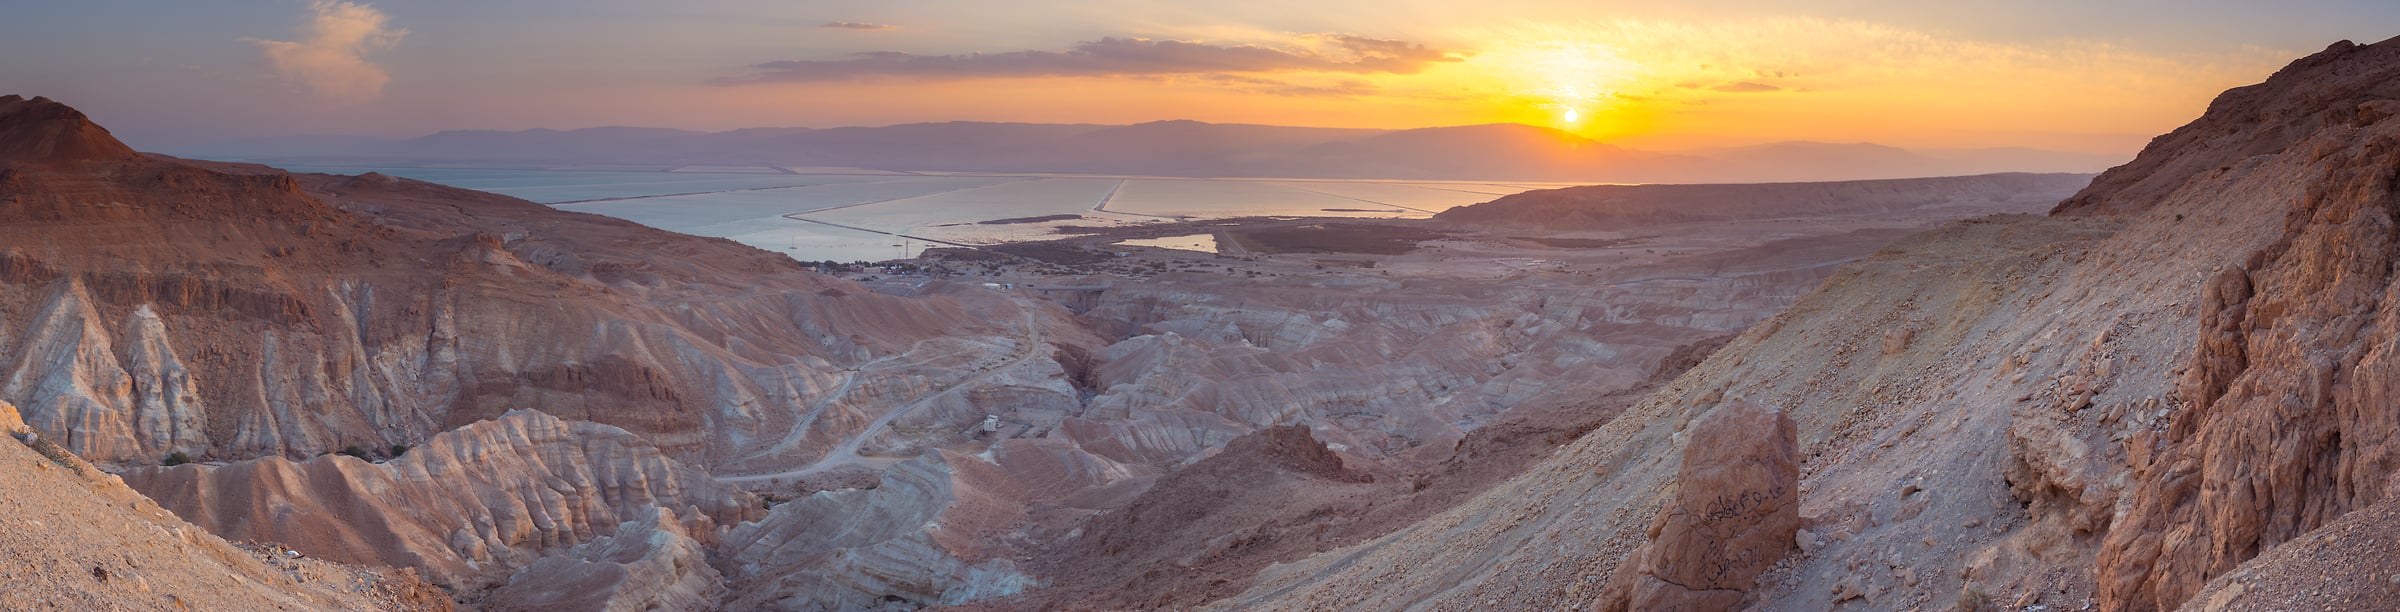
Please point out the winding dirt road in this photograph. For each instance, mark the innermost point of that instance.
(847, 452)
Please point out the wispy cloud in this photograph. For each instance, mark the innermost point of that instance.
(1339, 88)
(1120, 57)
(330, 57)
(1746, 87)
(855, 25)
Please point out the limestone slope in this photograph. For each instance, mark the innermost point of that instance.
(79, 539)
(2182, 370)
(469, 506)
(649, 563)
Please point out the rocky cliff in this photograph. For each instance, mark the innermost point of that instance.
(2285, 419)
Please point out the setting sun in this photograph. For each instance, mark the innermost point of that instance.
(1572, 80)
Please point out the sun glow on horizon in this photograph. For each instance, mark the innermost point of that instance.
(1640, 83)
(1571, 84)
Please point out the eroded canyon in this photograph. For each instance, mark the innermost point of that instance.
(385, 372)
(1541, 402)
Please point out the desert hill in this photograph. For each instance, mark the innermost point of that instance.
(42, 131)
(2172, 392)
(1602, 207)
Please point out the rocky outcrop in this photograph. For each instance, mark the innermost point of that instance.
(1735, 510)
(649, 563)
(468, 507)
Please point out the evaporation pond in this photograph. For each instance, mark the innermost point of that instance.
(1205, 243)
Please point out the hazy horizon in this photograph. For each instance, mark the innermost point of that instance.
(2049, 75)
(1683, 149)
(1512, 152)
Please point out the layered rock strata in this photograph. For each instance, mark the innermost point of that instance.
(469, 507)
(79, 539)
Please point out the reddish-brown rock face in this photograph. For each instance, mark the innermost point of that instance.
(1735, 511)
(2289, 416)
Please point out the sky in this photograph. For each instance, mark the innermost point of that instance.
(2071, 75)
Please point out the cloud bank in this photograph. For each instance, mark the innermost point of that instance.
(1118, 57)
(855, 25)
(330, 59)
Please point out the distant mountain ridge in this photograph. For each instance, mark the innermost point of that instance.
(1607, 207)
(1493, 152)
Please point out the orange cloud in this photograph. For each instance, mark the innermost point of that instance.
(1115, 57)
(1746, 87)
(330, 57)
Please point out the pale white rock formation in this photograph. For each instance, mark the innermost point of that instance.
(1392, 365)
(862, 549)
(648, 563)
(167, 410)
(469, 506)
(101, 395)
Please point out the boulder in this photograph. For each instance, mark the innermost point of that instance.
(1735, 511)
